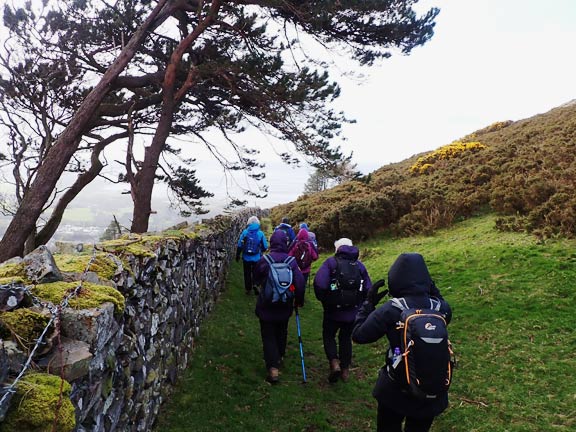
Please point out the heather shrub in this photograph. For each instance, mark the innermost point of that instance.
(524, 171)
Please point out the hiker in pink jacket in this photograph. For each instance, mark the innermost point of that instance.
(304, 251)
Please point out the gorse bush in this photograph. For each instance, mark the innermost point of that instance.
(425, 163)
(523, 171)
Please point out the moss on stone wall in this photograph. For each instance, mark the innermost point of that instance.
(102, 265)
(134, 246)
(14, 279)
(90, 296)
(23, 324)
(145, 245)
(13, 273)
(35, 405)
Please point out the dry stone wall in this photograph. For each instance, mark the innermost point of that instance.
(122, 364)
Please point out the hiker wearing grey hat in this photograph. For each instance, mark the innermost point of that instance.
(341, 284)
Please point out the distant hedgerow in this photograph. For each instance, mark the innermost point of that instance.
(426, 163)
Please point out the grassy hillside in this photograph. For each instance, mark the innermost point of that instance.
(524, 171)
(513, 332)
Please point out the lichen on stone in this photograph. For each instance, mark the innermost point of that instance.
(34, 406)
(23, 325)
(90, 295)
(101, 265)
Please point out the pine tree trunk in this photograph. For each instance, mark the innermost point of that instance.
(144, 180)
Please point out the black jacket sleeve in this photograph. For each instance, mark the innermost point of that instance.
(370, 324)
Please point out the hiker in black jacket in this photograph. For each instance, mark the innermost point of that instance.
(408, 277)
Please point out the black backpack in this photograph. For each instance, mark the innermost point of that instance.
(426, 358)
(251, 245)
(346, 285)
(278, 287)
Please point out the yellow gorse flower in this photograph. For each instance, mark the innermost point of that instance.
(425, 163)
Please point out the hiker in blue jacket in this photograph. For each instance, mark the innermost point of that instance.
(338, 317)
(408, 278)
(274, 317)
(287, 228)
(251, 244)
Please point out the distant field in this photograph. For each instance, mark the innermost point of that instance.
(77, 215)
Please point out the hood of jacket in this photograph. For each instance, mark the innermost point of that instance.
(302, 235)
(409, 276)
(348, 252)
(279, 241)
(253, 227)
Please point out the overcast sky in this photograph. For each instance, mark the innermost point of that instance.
(489, 60)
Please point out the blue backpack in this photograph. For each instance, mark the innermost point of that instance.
(278, 287)
(252, 242)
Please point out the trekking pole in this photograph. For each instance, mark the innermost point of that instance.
(301, 346)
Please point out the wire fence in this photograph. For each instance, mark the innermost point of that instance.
(55, 311)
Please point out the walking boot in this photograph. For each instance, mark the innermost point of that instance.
(335, 370)
(345, 374)
(272, 377)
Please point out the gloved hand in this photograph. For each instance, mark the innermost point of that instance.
(238, 251)
(374, 296)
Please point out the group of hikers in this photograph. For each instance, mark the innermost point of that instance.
(412, 386)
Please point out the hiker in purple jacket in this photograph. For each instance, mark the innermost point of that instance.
(340, 305)
(274, 317)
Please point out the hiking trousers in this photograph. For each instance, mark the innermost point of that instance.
(342, 350)
(249, 275)
(274, 336)
(391, 421)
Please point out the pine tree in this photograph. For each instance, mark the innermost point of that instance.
(222, 67)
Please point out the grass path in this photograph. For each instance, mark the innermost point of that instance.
(513, 330)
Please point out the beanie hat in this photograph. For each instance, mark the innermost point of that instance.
(342, 242)
(285, 220)
(253, 219)
(303, 225)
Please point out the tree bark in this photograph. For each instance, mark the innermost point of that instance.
(144, 180)
(142, 183)
(24, 221)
